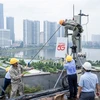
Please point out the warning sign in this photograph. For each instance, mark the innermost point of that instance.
(61, 47)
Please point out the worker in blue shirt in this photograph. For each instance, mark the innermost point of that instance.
(88, 84)
(70, 67)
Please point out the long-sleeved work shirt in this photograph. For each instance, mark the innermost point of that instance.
(70, 67)
(15, 73)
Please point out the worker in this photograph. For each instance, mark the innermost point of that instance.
(88, 84)
(70, 67)
(16, 73)
(74, 26)
(7, 82)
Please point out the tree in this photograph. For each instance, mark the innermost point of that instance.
(22, 62)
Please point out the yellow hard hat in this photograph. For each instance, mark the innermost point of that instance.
(7, 69)
(69, 58)
(61, 22)
(13, 61)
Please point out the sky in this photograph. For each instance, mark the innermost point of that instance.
(52, 10)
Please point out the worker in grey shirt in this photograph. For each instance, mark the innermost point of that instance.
(88, 84)
(73, 26)
(16, 73)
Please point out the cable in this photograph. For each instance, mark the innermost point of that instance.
(87, 32)
(87, 21)
(87, 53)
(44, 44)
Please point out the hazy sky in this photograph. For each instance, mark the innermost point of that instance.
(52, 10)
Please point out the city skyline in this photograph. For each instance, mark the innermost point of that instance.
(51, 10)
(31, 31)
(1, 17)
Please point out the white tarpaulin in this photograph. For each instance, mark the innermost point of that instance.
(61, 47)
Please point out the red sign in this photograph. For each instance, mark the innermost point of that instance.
(61, 46)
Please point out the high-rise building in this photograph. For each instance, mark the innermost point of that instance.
(49, 29)
(61, 31)
(27, 32)
(41, 37)
(5, 38)
(10, 26)
(83, 38)
(31, 33)
(95, 37)
(36, 33)
(1, 17)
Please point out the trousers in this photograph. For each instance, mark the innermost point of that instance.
(75, 33)
(72, 80)
(16, 87)
(87, 96)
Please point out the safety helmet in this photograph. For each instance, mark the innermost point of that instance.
(87, 66)
(7, 69)
(61, 22)
(69, 58)
(13, 61)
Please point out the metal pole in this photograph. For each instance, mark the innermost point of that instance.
(73, 11)
(58, 79)
(80, 48)
(67, 45)
(73, 19)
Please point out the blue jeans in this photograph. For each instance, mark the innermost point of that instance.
(6, 83)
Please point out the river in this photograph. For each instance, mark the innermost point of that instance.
(92, 54)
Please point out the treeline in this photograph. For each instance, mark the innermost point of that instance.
(95, 63)
(48, 66)
(44, 65)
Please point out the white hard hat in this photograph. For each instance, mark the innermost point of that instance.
(87, 66)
